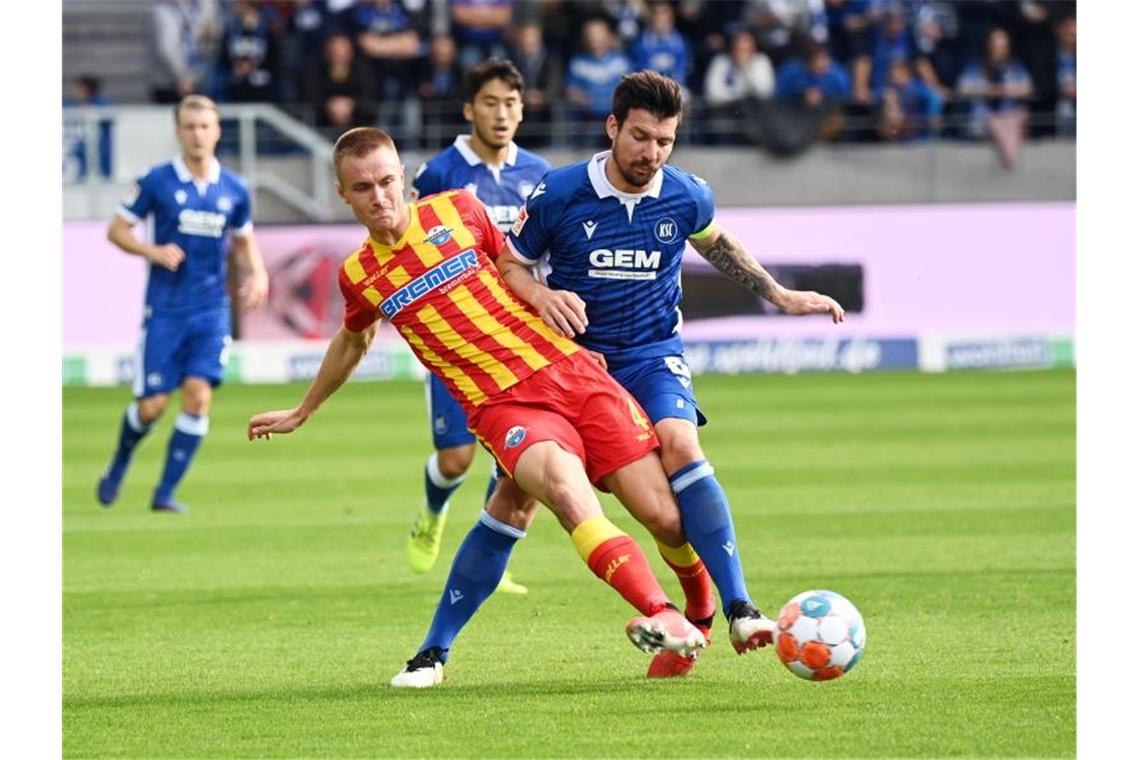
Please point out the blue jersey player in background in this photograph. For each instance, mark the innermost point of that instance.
(607, 236)
(492, 167)
(195, 207)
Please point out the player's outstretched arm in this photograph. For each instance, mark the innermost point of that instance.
(562, 310)
(732, 259)
(169, 256)
(344, 353)
(254, 280)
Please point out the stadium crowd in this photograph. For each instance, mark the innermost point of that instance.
(782, 73)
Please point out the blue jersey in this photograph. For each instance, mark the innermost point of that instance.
(620, 253)
(501, 189)
(196, 216)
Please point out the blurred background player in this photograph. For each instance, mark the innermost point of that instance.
(488, 164)
(611, 232)
(554, 420)
(195, 204)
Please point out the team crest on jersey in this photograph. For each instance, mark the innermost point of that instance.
(438, 235)
(515, 436)
(666, 230)
(180, 196)
(526, 188)
(225, 205)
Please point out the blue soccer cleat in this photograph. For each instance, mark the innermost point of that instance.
(107, 491)
(169, 505)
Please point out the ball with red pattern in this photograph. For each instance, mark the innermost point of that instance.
(821, 635)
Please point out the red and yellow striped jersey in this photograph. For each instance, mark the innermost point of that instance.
(438, 285)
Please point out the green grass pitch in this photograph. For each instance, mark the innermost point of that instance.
(268, 621)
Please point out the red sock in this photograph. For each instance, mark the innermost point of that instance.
(621, 563)
(700, 604)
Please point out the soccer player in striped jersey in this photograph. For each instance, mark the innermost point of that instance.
(199, 210)
(499, 173)
(608, 236)
(553, 419)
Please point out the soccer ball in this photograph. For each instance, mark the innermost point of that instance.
(821, 635)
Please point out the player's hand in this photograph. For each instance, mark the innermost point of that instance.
(598, 357)
(801, 302)
(281, 421)
(254, 290)
(168, 256)
(563, 311)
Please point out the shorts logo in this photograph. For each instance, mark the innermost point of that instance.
(440, 424)
(154, 378)
(438, 235)
(666, 230)
(515, 436)
(436, 277)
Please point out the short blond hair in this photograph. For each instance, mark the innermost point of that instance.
(195, 103)
(359, 142)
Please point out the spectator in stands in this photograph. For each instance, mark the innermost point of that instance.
(936, 46)
(541, 79)
(85, 91)
(893, 42)
(308, 24)
(626, 18)
(708, 25)
(592, 76)
(248, 62)
(814, 80)
(850, 26)
(735, 81)
(908, 107)
(440, 89)
(743, 73)
(781, 26)
(661, 47)
(1067, 76)
(340, 87)
(390, 38)
(182, 37)
(997, 87)
(480, 29)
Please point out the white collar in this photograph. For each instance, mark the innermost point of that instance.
(463, 145)
(596, 170)
(184, 175)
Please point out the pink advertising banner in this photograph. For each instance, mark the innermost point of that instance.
(925, 269)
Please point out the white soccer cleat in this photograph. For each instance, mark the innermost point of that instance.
(668, 630)
(748, 628)
(422, 672)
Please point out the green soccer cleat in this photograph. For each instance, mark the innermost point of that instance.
(508, 585)
(425, 540)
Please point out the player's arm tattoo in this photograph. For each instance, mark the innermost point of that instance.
(732, 259)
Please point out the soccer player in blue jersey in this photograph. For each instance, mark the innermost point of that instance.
(199, 210)
(491, 166)
(608, 235)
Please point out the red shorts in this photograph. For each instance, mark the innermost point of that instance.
(574, 403)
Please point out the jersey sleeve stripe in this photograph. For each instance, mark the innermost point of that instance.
(515, 252)
(245, 230)
(126, 213)
(706, 232)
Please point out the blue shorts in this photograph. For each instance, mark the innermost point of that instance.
(173, 348)
(448, 420)
(663, 386)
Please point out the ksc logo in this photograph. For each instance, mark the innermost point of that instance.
(666, 230)
(515, 436)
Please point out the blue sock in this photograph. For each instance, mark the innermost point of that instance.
(438, 487)
(189, 430)
(130, 433)
(474, 576)
(707, 522)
